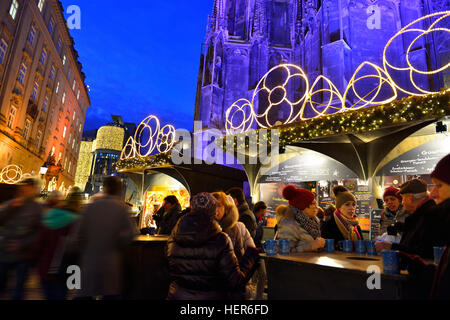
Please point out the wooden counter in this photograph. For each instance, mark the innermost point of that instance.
(328, 276)
(146, 272)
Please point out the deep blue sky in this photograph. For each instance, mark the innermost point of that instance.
(141, 58)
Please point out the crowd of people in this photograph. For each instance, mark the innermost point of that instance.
(213, 246)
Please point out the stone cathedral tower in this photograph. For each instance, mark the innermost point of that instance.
(246, 38)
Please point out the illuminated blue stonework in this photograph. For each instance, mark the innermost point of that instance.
(246, 38)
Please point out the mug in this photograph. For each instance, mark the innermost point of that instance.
(270, 247)
(346, 246)
(329, 245)
(284, 246)
(370, 247)
(390, 262)
(437, 254)
(360, 247)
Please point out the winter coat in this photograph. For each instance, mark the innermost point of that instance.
(440, 220)
(259, 232)
(56, 226)
(389, 218)
(238, 233)
(416, 232)
(104, 230)
(299, 239)
(169, 219)
(202, 263)
(247, 217)
(20, 224)
(330, 230)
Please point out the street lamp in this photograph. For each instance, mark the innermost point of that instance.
(43, 171)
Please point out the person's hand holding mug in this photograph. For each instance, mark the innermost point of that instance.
(382, 245)
(318, 243)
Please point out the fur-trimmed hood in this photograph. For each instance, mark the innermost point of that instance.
(229, 219)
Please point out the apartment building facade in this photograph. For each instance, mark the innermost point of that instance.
(43, 95)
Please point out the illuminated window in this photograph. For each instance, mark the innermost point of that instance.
(70, 165)
(52, 73)
(43, 56)
(73, 117)
(41, 4)
(13, 9)
(26, 129)
(70, 138)
(22, 73)
(63, 98)
(51, 25)
(57, 87)
(79, 130)
(35, 91)
(59, 157)
(78, 95)
(38, 139)
(11, 117)
(74, 85)
(3, 48)
(45, 105)
(53, 150)
(73, 143)
(64, 132)
(64, 60)
(32, 35)
(65, 163)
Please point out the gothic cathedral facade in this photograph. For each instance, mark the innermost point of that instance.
(246, 38)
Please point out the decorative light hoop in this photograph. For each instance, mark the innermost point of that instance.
(151, 143)
(166, 139)
(333, 92)
(247, 120)
(11, 174)
(132, 145)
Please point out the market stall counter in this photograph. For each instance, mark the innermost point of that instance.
(146, 272)
(330, 276)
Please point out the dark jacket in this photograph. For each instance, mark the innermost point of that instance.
(168, 220)
(56, 226)
(21, 224)
(247, 217)
(330, 230)
(440, 220)
(260, 232)
(416, 232)
(202, 263)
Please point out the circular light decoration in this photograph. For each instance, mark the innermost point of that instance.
(166, 138)
(277, 94)
(11, 174)
(239, 117)
(440, 16)
(149, 136)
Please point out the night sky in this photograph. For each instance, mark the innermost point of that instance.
(141, 58)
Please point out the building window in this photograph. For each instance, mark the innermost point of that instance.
(59, 157)
(32, 35)
(3, 48)
(73, 143)
(51, 25)
(26, 130)
(41, 4)
(64, 63)
(70, 165)
(38, 139)
(65, 163)
(63, 98)
(45, 105)
(73, 117)
(35, 91)
(74, 85)
(64, 132)
(13, 9)
(22, 73)
(69, 73)
(57, 87)
(79, 130)
(58, 46)
(78, 95)
(11, 117)
(43, 56)
(70, 139)
(52, 73)
(53, 151)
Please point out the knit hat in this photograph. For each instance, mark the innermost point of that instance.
(413, 186)
(392, 191)
(442, 170)
(299, 198)
(342, 195)
(205, 203)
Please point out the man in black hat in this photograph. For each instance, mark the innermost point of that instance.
(19, 229)
(415, 239)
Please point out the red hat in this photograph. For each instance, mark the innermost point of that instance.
(392, 191)
(442, 170)
(299, 198)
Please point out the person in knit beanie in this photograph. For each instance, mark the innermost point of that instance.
(441, 180)
(345, 224)
(298, 222)
(393, 210)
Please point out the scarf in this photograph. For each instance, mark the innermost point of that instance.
(311, 225)
(348, 227)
